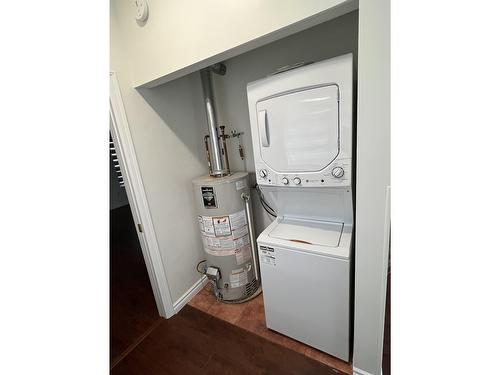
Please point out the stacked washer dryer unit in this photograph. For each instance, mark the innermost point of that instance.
(301, 122)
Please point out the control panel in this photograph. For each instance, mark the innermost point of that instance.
(336, 174)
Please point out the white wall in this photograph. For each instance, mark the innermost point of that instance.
(180, 37)
(164, 124)
(373, 180)
(329, 39)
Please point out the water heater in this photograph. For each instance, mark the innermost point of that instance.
(226, 234)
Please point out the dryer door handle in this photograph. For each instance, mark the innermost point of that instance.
(263, 128)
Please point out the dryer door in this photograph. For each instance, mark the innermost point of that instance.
(299, 131)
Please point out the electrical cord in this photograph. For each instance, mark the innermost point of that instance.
(263, 202)
(267, 207)
(198, 266)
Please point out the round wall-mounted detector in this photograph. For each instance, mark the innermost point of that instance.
(142, 11)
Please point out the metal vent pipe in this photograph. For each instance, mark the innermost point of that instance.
(218, 169)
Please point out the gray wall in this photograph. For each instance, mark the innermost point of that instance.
(329, 39)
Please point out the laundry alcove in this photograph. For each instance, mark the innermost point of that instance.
(167, 122)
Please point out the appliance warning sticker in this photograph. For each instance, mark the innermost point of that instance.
(222, 226)
(241, 184)
(243, 254)
(238, 220)
(267, 257)
(206, 225)
(238, 278)
(226, 235)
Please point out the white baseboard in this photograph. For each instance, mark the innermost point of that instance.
(358, 371)
(186, 297)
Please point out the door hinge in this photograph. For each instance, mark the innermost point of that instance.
(139, 226)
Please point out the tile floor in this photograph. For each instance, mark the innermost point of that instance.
(250, 316)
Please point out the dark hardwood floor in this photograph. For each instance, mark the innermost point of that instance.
(133, 308)
(194, 342)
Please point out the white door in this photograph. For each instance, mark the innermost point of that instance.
(299, 131)
(137, 198)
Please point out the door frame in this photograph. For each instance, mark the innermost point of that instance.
(136, 194)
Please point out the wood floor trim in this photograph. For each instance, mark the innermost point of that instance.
(132, 346)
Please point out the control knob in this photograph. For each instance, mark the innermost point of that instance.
(285, 181)
(337, 172)
(263, 173)
(297, 181)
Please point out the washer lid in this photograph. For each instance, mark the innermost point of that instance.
(299, 131)
(309, 232)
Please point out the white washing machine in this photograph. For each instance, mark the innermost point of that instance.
(301, 122)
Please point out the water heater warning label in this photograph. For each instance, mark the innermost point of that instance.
(238, 220)
(208, 195)
(241, 184)
(226, 236)
(243, 255)
(238, 277)
(206, 226)
(222, 226)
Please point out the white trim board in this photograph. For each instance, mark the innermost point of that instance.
(373, 177)
(186, 297)
(136, 194)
